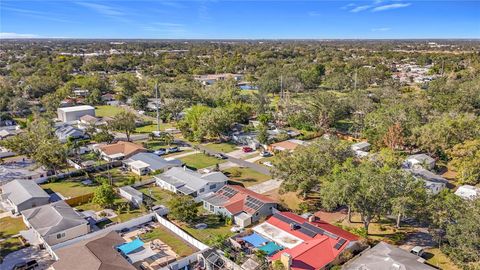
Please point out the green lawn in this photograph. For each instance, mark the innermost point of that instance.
(215, 227)
(119, 178)
(436, 258)
(221, 147)
(173, 241)
(199, 161)
(247, 176)
(8, 227)
(123, 216)
(69, 189)
(107, 110)
(152, 127)
(162, 196)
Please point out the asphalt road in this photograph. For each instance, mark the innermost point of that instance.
(240, 162)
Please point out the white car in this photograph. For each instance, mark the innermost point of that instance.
(236, 229)
(417, 250)
(268, 164)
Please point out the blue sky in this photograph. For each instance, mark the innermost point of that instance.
(258, 19)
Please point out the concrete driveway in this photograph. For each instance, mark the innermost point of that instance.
(266, 186)
(29, 253)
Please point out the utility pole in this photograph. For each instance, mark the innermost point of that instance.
(281, 87)
(157, 105)
(355, 80)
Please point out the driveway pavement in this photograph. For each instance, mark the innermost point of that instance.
(266, 186)
(29, 253)
(241, 162)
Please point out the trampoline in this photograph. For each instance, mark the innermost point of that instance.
(130, 246)
(255, 239)
(270, 248)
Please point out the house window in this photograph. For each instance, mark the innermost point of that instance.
(201, 190)
(60, 235)
(212, 208)
(213, 186)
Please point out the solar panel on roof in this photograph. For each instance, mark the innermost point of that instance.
(319, 230)
(340, 243)
(253, 203)
(307, 232)
(229, 192)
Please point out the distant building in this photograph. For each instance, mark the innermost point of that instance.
(23, 195)
(70, 114)
(385, 256)
(188, 182)
(145, 163)
(212, 78)
(65, 132)
(468, 192)
(132, 195)
(420, 161)
(54, 223)
(80, 92)
(288, 145)
(433, 182)
(242, 205)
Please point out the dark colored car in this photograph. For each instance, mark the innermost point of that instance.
(220, 156)
(247, 149)
(25, 265)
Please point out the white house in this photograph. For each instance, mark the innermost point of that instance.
(144, 163)
(132, 195)
(433, 182)
(65, 132)
(69, 114)
(420, 161)
(23, 194)
(188, 182)
(468, 192)
(53, 223)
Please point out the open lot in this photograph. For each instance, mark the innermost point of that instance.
(107, 110)
(8, 227)
(68, 188)
(221, 147)
(246, 176)
(153, 127)
(199, 161)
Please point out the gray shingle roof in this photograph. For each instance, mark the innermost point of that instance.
(180, 176)
(53, 218)
(422, 158)
(155, 162)
(19, 191)
(130, 190)
(384, 256)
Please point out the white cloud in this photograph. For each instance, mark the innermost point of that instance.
(314, 14)
(381, 29)
(17, 35)
(102, 9)
(391, 6)
(360, 8)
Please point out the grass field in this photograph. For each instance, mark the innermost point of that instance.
(199, 161)
(436, 258)
(9, 227)
(246, 176)
(215, 227)
(107, 110)
(123, 216)
(153, 127)
(221, 147)
(178, 245)
(161, 195)
(69, 188)
(119, 178)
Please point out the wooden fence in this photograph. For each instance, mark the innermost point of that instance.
(82, 199)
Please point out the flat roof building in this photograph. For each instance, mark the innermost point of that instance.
(70, 114)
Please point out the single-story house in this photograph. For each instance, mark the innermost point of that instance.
(5, 133)
(239, 203)
(53, 223)
(70, 114)
(132, 195)
(420, 161)
(24, 194)
(288, 145)
(361, 146)
(88, 120)
(119, 150)
(65, 132)
(144, 163)
(306, 243)
(98, 253)
(80, 92)
(386, 256)
(108, 97)
(468, 192)
(433, 182)
(188, 182)
(248, 139)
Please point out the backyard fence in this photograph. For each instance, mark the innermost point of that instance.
(60, 176)
(182, 234)
(78, 200)
(144, 182)
(182, 262)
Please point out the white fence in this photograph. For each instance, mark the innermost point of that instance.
(182, 262)
(185, 236)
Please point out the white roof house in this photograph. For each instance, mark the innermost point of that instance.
(70, 114)
(468, 192)
(144, 163)
(131, 194)
(188, 182)
(433, 182)
(24, 194)
(420, 161)
(361, 146)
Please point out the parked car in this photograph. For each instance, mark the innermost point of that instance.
(247, 149)
(265, 154)
(220, 156)
(236, 229)
(268, 164)
(160, 152)
(173, 149)
(25, 265)
(417, 250)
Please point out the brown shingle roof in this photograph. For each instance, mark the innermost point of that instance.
(96, 254)
(126, 148)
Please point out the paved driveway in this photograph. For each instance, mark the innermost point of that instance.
(30, 253)
(266, 186)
